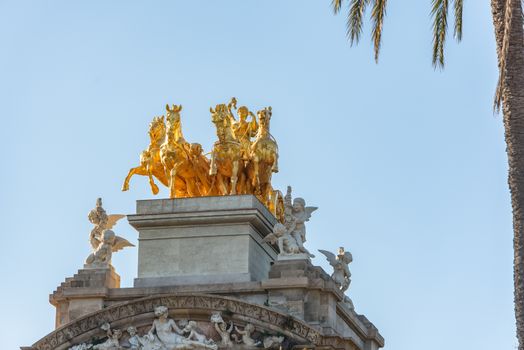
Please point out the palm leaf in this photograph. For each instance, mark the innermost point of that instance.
(439, 11)
(355, 18)
(336, 4)
(377, 15)
(459, 5)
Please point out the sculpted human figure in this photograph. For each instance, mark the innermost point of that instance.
(143, 343)
(113, 339)
(194, 334)
(287, 244)
(243, 130)
(295, 215)
(246, 335)
(103, 241)
(102, 221)
(340, 262)
(171, 335)
(222, 330)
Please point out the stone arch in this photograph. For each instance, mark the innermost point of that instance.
(198, 307)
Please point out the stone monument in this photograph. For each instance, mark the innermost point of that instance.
(222, 264)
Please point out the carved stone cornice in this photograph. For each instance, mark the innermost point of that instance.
(127, 313)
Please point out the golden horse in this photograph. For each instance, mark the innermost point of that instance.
(185, 166)
(150, 163)
(263, 163)
(226, 155)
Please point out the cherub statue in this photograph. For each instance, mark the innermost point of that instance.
(246, 335)
(102, 221)
(113, 339)
(194, 334)
(103, 240)
(296, 215)
(340, 263)
(222, 329)
(142, 343)
(273, 342)
(287, 244)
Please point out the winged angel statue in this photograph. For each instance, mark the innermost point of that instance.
(291, 235)
(340, 263)
(103, 240)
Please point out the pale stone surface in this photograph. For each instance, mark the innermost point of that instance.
(202, 240)
(212, 261)
(82, 294)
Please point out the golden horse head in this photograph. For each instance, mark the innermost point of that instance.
(264, 116)
(157, 129)
(173, 114)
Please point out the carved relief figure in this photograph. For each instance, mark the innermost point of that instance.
(340, 262)
(143, 343)
(113, 339)
(222, 330)
(246, 335)
(194, 333)
(171, 335)
(150, 163)
(273, 342)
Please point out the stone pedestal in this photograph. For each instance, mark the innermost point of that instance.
(202, 240)
(83, 293)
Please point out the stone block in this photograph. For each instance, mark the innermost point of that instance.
(202, 240)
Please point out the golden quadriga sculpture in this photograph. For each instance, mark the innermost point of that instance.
(242, 160)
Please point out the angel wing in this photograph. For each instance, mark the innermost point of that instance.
(121, 243)
(348, 258)
(309, 211)
(330, 257)
(271, 238)
(112, 219)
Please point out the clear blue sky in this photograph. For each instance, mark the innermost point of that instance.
(407, 164)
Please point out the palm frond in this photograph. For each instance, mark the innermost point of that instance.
(336, 5)
(439, 11)
(377, 15)
(459, 5)
(354, 20)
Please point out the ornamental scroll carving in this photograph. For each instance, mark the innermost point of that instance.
(265, 320)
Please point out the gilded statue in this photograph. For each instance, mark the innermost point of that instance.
(226, 154)
(243, 130)
(150, 163)
(242, 160)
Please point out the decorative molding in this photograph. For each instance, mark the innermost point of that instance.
(263, 316)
